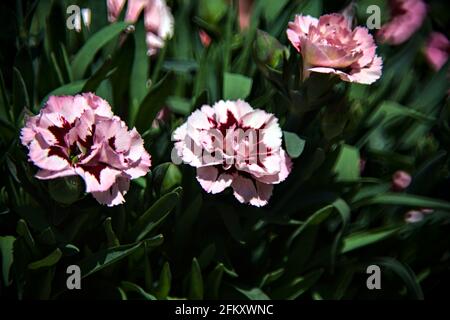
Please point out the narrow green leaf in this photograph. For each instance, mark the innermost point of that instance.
(165, 281)
(110, 234)
(195, 282)
(294, 144)
(153, 102)
(156, 214)
(404, 199)
(6, 252)
(132, 287)
(346, 167)
(48, 261)
(271, 277)
(107, 257)
(67, 89)
(214, 281)
(365, 238)
(253, 293)
(236, 86)
(21, 99)
(86, 55)
(297, 286)
(139, 73)
(405, 273)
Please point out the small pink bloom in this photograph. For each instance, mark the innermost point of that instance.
(233, 145)
(362, 165)
(245, 13)
(163, 116)
(400, 180)
(158, 19)
(329, 45)
(114, 9)
(79, 135)
(204, 38)
(407, 17)
(437, 50)
(413, 216)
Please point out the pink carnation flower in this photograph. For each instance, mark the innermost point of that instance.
(79, 135)
(401, 180)
(437, 50)
(233, 145)
(407, 17)
(158, 19)
(329, 45)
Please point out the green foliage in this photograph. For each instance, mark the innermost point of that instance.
(332, 217)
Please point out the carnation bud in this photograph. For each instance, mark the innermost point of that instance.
(400, 180)
(268, 50)
(413, 216)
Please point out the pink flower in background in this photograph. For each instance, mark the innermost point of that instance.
(407, 17)
(329, 45)
(204, 38)
(79, 135)
(245, 13)
(401, 180)
(233, 145)
(414, 216)
(437, 50)
(163, 116)
(158, 19)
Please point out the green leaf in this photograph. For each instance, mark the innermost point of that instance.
(153, 102)
(272, 9)
(297, 286)
(23, 230)
(404, 199)
(179, 105)
(139, 73)
(21, 99)
(104, 72)
(212, 10)
(166, 176)
(214, 281)
(156, 214)
(180, 66)
(236, 86)
(271, 277)
(109, 256)
(313, 221)
(86, 55)
(253, 293)
(4, 101)
(195, 282)
(48, 261)
(67, 89)
(346, 167)
(405, 273)
(207, 255)
(364, 238)
(131, 287)
(165, 281)
(6, 252)
(294, 144)
(110, 234)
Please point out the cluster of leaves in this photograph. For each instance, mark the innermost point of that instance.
(171, 240)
